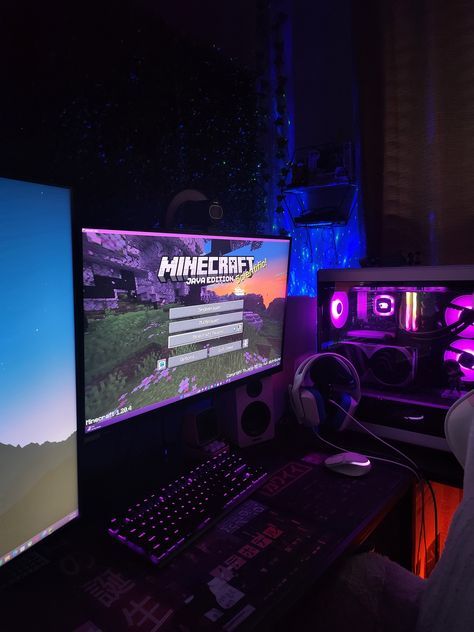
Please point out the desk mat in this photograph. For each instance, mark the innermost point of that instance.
(290, 531)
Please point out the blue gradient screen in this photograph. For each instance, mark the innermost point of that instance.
(38, 463)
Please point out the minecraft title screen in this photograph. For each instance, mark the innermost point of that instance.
(167, 316)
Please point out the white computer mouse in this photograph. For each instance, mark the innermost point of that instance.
(349, 463)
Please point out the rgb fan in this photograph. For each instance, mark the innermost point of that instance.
(454, 310)
(384, 365)
(392, 366)
(339, 309)
(461, 351)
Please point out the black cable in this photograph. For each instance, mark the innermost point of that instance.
(414, 471)
(288, 210)
(407, 458)
(455, 329)
(435, 512)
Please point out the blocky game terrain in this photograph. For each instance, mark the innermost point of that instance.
(127, 315)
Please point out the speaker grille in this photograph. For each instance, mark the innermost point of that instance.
(255, 419)
(254, 388)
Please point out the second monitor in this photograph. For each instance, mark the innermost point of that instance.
(167, 316)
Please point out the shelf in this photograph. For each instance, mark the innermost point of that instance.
(324, 205)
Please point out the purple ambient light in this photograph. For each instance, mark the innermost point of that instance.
(411, 311)
(401, 288)
(362, 305)
(453, 313)
(384, 305)
(370, 333)
(457, 351)
(339, 309)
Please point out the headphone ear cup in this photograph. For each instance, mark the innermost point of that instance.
(340, 420)
(332, 375)
(313, 406)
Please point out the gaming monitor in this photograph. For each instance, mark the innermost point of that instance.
(171, 315)
(38, 457)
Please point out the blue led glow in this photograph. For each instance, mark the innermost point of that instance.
(314, 248)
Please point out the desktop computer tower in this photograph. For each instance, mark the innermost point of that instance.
(409, 332)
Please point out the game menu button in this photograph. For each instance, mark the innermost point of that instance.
(186, 358)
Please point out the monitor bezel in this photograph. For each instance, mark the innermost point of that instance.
(191, 398)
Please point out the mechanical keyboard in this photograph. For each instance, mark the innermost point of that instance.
(166, 521)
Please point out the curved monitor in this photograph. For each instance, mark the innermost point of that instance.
(38, 456)
(168, 316)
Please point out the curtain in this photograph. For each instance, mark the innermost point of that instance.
(414, 63)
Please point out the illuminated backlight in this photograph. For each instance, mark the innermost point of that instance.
(362, 305)
(369, 333)
(339, 309)
(411, 311)
(384, 305)
(361, 463)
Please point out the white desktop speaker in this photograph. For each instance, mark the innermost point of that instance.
(246, 413)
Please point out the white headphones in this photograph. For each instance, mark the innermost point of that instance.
(332, 377)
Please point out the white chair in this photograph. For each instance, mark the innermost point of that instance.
(370, 593)
(447, 601)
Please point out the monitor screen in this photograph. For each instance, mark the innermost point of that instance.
(167, 316)
(38, 458)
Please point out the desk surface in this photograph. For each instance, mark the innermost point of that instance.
(249, 569)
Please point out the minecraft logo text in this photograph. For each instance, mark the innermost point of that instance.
(205, 269)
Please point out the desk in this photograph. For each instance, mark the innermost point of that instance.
(436, 465)
(243, 574)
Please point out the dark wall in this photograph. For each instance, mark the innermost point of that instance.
(127, 108)
(322, 71)
(130, 103)
(229, 26)
(415, 65)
